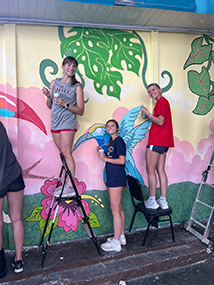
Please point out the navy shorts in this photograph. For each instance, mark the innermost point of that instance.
(16, 186)
(158, 148)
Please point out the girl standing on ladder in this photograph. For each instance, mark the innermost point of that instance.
(66, 100)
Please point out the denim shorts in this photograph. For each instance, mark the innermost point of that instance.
(158, 148)
(16, 186)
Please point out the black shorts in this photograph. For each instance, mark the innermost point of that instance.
(158, 148)
(16, 186)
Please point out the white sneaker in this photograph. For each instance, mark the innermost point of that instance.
(153, 206)
(163, 205)
(122, 240)
(111, 246)
(68, 191)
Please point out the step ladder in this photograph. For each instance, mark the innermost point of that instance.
(205, 229)
(75, 197)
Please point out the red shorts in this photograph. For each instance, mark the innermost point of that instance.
(63, 130)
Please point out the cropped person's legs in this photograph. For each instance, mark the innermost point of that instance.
(115, 195)
(1, 221)
(3, 267)
(15, 209)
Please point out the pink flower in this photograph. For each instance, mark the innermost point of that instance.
(68, 213)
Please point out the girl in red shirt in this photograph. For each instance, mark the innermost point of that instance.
(160, 139)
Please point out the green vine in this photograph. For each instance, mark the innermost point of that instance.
(145, 65)
(43, 65)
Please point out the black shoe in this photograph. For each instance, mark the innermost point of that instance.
(17, 265)
(3, 268)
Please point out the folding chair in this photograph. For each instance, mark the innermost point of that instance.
(152, 216)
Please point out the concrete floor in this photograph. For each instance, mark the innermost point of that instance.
(160, 261)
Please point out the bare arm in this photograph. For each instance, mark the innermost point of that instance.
(159, 120)
(79, 110)
(48, 93)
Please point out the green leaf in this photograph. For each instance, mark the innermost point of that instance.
(110, 79)
(100, 51)
(93, 221)
(84, 46)
(199, 83)
(125, 48)
(48, 229)
(199, 54)
(35, 215)
(204, 105)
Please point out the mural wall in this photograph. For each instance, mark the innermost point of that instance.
(115, 68)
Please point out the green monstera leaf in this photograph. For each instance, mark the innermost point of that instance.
(101, 51)
(124, 49)
(199, 54)
(199, 83)
(204, 105)
(110, 79)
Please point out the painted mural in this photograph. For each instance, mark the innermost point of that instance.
(201, 84)
(114, 69)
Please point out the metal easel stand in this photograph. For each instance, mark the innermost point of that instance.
(60, 198)
(205, 228)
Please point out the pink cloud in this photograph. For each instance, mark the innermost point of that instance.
(184, 165)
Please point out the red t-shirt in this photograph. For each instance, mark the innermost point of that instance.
(162, 135)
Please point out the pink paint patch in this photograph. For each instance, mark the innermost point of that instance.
(119, 113)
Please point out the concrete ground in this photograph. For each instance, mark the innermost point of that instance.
(198, 274)
(187, 261)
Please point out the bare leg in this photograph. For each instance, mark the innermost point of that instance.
(56, 139)
(123, 220)
(15, 209)
(1, 221)
(115, 195)
(152, 159)
(162, 174)
(64, 142)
